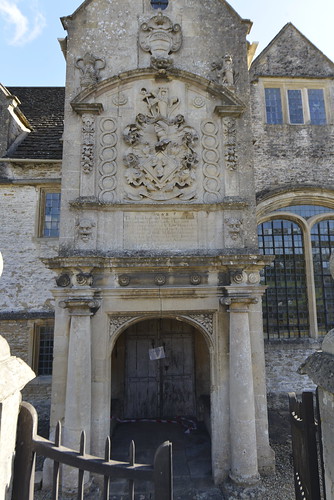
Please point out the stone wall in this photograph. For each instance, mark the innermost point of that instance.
(25, 282)
(288, 156)
(283, 358)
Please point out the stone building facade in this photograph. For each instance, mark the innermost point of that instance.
(174, 148)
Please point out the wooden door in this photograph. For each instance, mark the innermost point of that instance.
(163, 387)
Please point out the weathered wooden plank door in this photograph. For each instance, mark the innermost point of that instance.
(163, 387)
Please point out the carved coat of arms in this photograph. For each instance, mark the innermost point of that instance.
(161, 159)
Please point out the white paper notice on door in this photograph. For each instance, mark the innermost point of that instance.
(156, 353)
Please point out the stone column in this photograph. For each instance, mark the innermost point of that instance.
(79, 378)
(265, 454)
(244, 462)
(14, 375)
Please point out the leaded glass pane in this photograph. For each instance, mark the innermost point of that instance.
(45, 350)
(305, 211)
(322, 239)
(51, 215)
(295, 106)
(317, 106)
(285, 311)
(159, 4)
(273, 106)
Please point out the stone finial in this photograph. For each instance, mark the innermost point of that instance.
(160, 37)
(90, 67)
(14, 372)
(328, 343)
(222, 71)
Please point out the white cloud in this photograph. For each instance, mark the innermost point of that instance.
(21, 28)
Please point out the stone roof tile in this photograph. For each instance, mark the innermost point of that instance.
(44, 108)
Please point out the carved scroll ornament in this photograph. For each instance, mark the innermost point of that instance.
(161, 159)
(160, 37)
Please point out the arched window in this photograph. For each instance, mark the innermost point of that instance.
(285, 303)
(300, 296)
(159, 4)
(322, 239)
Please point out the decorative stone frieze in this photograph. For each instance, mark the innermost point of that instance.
(240, 277)
(84, 279)
(90, 67)
(160, 163)
(124, 279)
(210, 155)
(195, 279)
(160, 279)
(63, 280)
(205, 320)
(107, 155)
(160, 37)
(222, 71)
(229, 135)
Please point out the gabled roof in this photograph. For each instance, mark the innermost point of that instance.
(87, 2)
(291, 54)
(44, 108)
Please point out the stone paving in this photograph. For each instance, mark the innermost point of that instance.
(192, 462)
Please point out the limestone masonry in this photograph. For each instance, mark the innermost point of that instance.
(142, 207)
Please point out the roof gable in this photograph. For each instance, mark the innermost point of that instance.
(291, 54)
(87, 2)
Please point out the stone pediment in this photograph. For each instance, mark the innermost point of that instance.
(228, 98)
(157, 140)
(291, 54)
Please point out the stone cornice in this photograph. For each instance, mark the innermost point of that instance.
(231, 262)
(228, 203)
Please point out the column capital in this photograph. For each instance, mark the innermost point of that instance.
(240, 296)
(80, 306)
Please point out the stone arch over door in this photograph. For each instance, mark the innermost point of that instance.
(176, 384)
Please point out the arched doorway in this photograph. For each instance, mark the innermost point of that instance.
(160, 369)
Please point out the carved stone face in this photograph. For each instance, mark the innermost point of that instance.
(85, 229)
(234, 227)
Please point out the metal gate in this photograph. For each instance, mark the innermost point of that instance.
(306, 452)
(29, 443)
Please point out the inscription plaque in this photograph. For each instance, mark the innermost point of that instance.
(160, 230)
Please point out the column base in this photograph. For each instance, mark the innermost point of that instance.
(234, 491)
(266, 462)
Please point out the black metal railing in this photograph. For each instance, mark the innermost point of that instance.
(29, 443)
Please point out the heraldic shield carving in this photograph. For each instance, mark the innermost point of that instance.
(161, 160)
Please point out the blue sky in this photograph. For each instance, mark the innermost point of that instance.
(31, 56)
